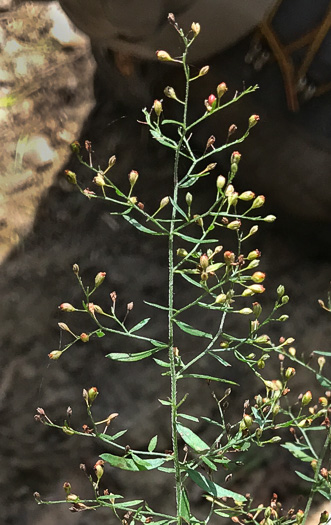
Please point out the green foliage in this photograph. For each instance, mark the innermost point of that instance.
(223, 282)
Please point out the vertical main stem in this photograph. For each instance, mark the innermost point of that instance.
(172, 363)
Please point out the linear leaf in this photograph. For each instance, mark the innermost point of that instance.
(209, 463)
(178, 208)
(219, 359)
(152, 444)
(164, 402)
(326, 383)
(192, 439)
(191, 418)
(318, 352)
(190, 280)
(128, 504)
(298, 451)
(188, 183)
(140, 325)
(159, 306)
(212, 488)
(111, 439)
(194, 240)
(188, 329)
(303, 476)
(208, 378)
(134, 465)
(161, 363)
(139, 226)
(168, 121)
(129, 358)
(184, 507)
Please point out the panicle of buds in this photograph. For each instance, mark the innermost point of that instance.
(221, 89)
(258, 201)
(67, 307)
(99, 278)
(163, 56)
(253, 120)
(133, 177)
(195, 28)
(70, 176)
(157, 107)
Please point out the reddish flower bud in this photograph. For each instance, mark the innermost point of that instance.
(99, 278)
(71, 177)
(229, 257)
(258, 277)
(306, 398)
(133, 177)
(235, 157)
(56, 354)
(253, 120)
(289, 372)
(84, 337)
(67, 307)
(255, 254)
(92, 394)
(99, 468)
(258, 201)
(211, 99)
(221, 89)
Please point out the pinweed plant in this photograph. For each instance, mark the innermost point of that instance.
(225, 282)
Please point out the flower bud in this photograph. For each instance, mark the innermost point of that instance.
(99, 468)
(233, 199)
(164, 202)
(292, 351)
(163, 56)
(211, 99)
(71, 177)
(111, 161)
(261, 364)
(235, 157)
(306, 398)
(220, 182)
(257, 309)
(170, 92)
(133, 177)
(75, 269)
(99, 180)
(67, 487)
(259, 432)
(229, 257)
(305, 423)
(283, 318)
(324, 517)
(75, 147)
(270, 218)
(248, 420)
(262, 339)
(92, 394)
(258, 277)
(69, 431)
(323, 401)
(289, 372)
(198, 220)
(313, 464)
(258, 201)
(256, 288)
(99, 278)
(157, 107)
(253, 120)
(67, 307)
(299, 516)
(229, 190)
(84, 337)
(321, 362)
(245, 311)
(234, 225)
(188, 198)
(285, 299)
(275, 439)
(56, 354)
(195, 28)
(247, 196)
(280, 290)
(221, 298)
(73, 498)
(64, 327)
(254, 254)
(203, 71)
(129, 306)
(221, 89)
(204, 261)
(181, 252)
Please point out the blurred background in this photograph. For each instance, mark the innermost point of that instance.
(57, 85)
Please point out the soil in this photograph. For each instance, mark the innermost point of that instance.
(47, 226)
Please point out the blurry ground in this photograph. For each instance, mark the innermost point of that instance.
(45, 95)
(36, 275)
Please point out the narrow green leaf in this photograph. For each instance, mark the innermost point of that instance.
(303, 476)
(128, 504)
(326, 383)
(161, 363)
(209, 463)
(215, 267)
(192, 439)
(212, 488)
(140, 227)
(191, 418)
(184, 507)
(111, 439)
(190, 182)
(110, 496)
(208, 378)
(140, 325)
(100, 333)
(178, 208)
(134, 464)
(192, 331)
(298, 451)
(326, 495)
(159, 306)
(212, 421)
(219, 359)
(318, 352)
(168, 121)
(129, 358)
(194, 240)
(190, 280)
(152, 444)
(164, 402)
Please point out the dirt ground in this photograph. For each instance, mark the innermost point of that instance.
(46, 226)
